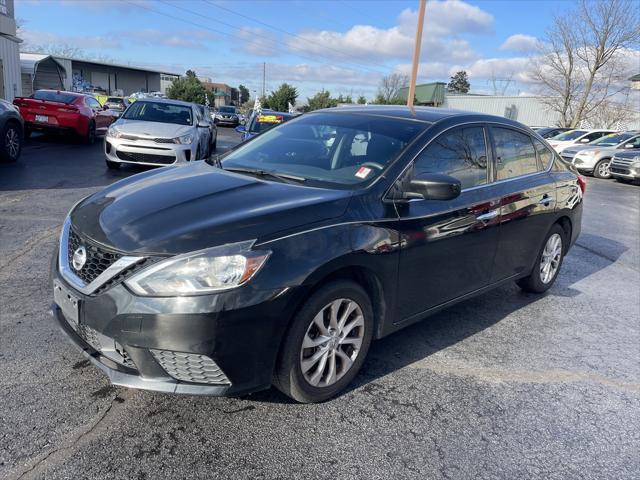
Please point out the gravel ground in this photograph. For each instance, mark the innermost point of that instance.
(507, 385)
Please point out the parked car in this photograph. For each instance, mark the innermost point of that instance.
(550, 132)
(64, 112)
(117, 104)
(595, 157)
(262, 122)
(158, 132)
(227, 115)
(573, 137)
(625, 166)
(11, 129)
(206, 117)
(283, 264)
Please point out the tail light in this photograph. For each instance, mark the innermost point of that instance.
(582, 182)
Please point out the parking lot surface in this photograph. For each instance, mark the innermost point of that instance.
(508, 385)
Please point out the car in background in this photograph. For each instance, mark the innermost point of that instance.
(595, 157)
(54, 111)
(262, 122)
(573, 137)
(158, 132)
(11, 131)
(625, 166)
(550, 132)
(117, 104)
(227, 115)
(206, 117)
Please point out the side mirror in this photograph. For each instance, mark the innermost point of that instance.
(585, 140)
(629, 145)
(432, 186)
(203, 125)
(240, 129)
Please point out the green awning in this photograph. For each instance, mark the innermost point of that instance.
(427, 93)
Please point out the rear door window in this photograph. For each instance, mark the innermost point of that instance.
(544, 154)
(515, 155)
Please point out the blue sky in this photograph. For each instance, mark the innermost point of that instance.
(344, 46)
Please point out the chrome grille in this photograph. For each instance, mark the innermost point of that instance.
(98, 259)
(190, 367)
(622, 162)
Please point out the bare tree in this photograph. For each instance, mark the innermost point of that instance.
(579, 68)
(390, 85)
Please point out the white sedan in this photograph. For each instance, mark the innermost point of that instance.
(576, 137)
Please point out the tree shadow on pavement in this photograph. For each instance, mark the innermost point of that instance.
(461, 321)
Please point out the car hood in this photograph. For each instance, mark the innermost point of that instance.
(152, 129)
(181, 209)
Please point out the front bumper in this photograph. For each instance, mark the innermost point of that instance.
(239, 330)
(227, 121)
(146, 152)
(624, 171)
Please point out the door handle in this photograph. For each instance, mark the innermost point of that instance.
(546, 200)
(488, 216)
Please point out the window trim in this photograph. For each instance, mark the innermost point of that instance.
(486, 125)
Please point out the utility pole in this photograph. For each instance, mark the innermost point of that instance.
(264, 76)
(416, 54)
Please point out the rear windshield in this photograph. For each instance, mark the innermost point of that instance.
(262, 123)
(570, 135)
(328, 149)
(60, 97)
(159, 112)
(612, 139)
(227, 110)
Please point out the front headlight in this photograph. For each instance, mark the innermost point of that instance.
(184, 139)
(113, 132)
(207, 271)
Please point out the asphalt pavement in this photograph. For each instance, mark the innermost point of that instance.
(505, 386)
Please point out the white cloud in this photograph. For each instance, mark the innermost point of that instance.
(444, 20)
(520, 43)
(257, 41)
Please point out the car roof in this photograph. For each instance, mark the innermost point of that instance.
(422, 114)
(167, 101)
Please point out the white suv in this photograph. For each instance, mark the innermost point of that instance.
(576, 137)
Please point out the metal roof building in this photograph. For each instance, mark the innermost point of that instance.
(427, 94)
(528, 110)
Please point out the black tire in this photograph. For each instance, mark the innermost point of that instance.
(214, 145)
(112, 165)
(11, 142)
(288, 375)
(623, 180)
(534, 282)
(27, 133)
(600, 166)
(90, 136)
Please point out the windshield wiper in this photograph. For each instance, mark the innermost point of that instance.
(266, 173)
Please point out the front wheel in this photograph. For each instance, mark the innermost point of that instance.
(601, 170)
(326, 344)
(548, 263)
(90, 137)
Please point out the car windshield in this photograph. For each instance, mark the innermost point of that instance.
(612, 139)
(60, 97)
(328, 149)
(570, 135)
(262, 123)
(227, 110)
(159, 112)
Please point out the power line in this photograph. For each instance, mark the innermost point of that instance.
(274, 43)
(278, 29)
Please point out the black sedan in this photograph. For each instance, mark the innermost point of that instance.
(281, 263)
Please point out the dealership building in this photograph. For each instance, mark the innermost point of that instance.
(40, 70)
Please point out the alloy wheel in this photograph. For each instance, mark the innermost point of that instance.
(12, 143)
(332, 342)
(551, 256)
(603, 170)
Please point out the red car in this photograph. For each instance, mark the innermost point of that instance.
(64, 112)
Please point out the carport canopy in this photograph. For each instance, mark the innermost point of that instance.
(43, 71)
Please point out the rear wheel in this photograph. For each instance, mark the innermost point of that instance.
(112, 165)
(548, 263)
(326, 344)
(601, 170)
(90, 136)
(11, 142)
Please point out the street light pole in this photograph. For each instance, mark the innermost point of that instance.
(416, 54)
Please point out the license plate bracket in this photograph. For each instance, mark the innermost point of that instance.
(68, 303)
